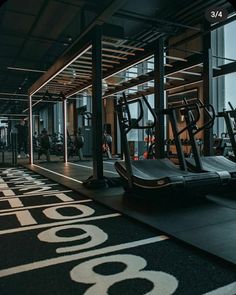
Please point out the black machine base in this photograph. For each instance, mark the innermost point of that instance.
(93, 183)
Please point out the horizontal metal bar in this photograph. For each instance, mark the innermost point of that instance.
(89, 65)
(225, 69)
(103, 59)
(118, 51)
(110, 61)
(191, 73)
(176, 58)
(175, 78)
(114, 56)
(123, 46)
(111, 56)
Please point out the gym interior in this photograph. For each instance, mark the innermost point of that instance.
(118, 149)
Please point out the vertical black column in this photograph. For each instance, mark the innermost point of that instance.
(207, 88)
(64, 110)
(97, 103)
(159, 102)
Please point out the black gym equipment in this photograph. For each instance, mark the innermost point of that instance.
(199, 163)
(230, 126)
(87, 132)
(158, 175)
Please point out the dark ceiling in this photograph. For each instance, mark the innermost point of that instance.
(33, 34)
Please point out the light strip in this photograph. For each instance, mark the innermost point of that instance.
(59, 174)
(23, 99)
(25, 70)
(81, 90)
(191, 73)
(31, 160)
(175, 78)
(65, 130)
(91, 168)
(62, 69)
(17, 94)
(182, 92)
(181, 86)
(127, 88)
(13, 115)
(38, 101)
(187, 68)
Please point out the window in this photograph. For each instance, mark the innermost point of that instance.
(230, 53)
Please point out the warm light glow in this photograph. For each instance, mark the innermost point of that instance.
(61, 70)
(65, 129)
(31, 155)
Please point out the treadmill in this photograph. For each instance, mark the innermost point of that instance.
(228, 116)
(158, 175)
(206, 163)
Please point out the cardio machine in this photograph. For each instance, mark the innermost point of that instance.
(204, 164)
(157, 176)
(230, 121)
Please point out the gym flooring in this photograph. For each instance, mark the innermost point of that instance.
(54, 240)
(192, 220)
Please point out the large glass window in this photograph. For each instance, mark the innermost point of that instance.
(230, 90)
(230, 40)
(224, 87)
(230, 53)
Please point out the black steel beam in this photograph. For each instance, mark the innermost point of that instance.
(97, 104)
(207, 90)
(159, 98)
(225, 69)
(147, 19)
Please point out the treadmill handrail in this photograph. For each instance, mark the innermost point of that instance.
(191, 106)
(134, 123)
(209, 124)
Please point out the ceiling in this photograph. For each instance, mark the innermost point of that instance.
(34, 34)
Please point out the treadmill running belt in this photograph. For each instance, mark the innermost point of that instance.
(163, 173)
(214, 163)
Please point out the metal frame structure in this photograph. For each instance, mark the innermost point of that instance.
(97, 55)
(84, 66)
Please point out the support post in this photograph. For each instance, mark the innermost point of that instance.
(65, 129)
(30, 120)
(159, 98)
(97, 180)
(97, 104)
(207, 90)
